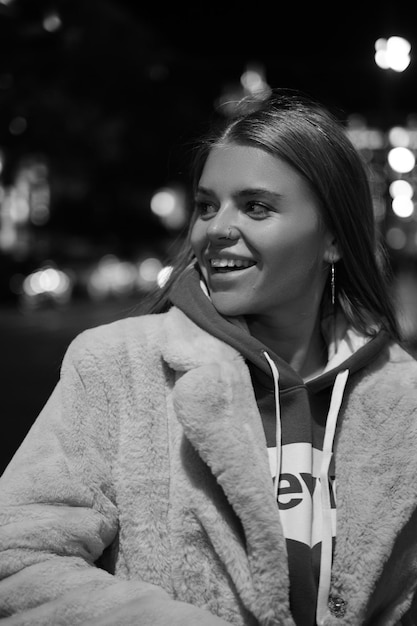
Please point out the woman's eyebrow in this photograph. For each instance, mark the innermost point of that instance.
(256, 192)
(249, 192)
(204, 191)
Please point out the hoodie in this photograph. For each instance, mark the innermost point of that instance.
(300, 420)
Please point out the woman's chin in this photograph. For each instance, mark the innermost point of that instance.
(228, 304)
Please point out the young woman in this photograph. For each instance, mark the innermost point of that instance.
(184, 470)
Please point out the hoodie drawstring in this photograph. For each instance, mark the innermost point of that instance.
(275, 376)
(327, 531)
(327, 535)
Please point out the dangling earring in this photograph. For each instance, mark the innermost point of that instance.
(333, 302)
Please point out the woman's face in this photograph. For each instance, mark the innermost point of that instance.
(273, 263)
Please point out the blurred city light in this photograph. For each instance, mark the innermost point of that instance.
(396, 238)
(26, 200)
(112, 277)
(163, 203)
(14, 214)
(399, 137)
(48, 279)
(169, 205)
(362, 136)
(46, 285)
(254, 82)
(250, 90)
(401, 160)
(402, 206)
(401, 188)
(52, 22)
(149, 270)
(392, 53)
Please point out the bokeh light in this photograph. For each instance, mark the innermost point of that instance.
(46, 284)
(392, 53)
(402, 206)
(396, 238)
(163, 203)
(149, 270)
(52, 22)
(169, 205)
(401, 188)
(401, 160)
(399, 136)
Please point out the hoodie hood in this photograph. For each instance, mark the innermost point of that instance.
(353, 351)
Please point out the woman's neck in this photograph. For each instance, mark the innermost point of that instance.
(300, 344)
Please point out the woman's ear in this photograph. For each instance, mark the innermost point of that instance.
(332, 252)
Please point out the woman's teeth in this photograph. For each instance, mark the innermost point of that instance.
(230, 263)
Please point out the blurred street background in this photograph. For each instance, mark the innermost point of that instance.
(100, 102)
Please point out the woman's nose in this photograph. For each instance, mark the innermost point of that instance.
(222, 226)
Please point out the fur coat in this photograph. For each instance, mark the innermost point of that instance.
(142, 494)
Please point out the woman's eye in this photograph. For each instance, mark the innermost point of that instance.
(204, 209)
(257, 210)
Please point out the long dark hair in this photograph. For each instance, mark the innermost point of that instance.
(300, 131)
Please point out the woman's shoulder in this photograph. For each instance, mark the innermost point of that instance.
(394, 371)
(141, 332)
(401, 358)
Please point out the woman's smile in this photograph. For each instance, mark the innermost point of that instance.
(227, 264)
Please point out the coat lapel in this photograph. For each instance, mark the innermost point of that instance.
(214, 402)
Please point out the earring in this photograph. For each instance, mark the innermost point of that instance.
(333, 284)
(333, 304)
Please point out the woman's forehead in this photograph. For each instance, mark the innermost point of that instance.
(245, 167)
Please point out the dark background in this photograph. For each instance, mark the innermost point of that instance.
(112, 99)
